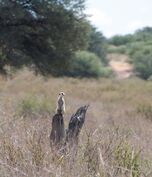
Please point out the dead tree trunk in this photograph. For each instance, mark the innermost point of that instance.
(58, 136)
(57, 133)
(75, 125)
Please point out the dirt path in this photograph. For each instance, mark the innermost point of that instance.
(119, 64)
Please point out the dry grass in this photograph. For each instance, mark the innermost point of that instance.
(115, 141)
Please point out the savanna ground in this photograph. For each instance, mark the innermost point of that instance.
(116, 140)
(120, 65)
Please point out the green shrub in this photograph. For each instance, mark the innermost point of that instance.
(118, 40)
(135, 47)
(86, 64)
(144, 34)
(120, 49)
(34, 105)
(143, 63)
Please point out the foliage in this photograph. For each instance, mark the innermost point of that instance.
(118, 40)
(33, 105)
(143, 63)
(41, 34)
(120, 49)
(97, 44)
(138, 46)
(86, 64)
(144, 34)
(135, 47)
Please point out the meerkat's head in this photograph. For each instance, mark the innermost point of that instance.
(62, 94)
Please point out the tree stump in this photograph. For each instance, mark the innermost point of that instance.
(75, 125)
(58, 133)
(58, 137)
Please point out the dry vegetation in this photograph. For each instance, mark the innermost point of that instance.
(116, 140)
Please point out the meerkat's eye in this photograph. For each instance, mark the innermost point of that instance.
(61, 93)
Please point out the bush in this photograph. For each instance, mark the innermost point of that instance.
(144, 34)
(33, 105)
(120, 49)
(86, 64)
(142, 61)
(118, 40)
(135, 47)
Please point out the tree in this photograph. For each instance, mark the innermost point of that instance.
(118, 40)
(97, 44)
(41, 34)
(144, 34)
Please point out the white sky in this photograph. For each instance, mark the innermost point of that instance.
(119, 16)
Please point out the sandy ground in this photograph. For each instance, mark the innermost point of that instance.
(119, 64)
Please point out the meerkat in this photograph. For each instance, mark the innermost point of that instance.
(60, 104)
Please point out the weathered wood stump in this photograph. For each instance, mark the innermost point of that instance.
(75, 125)
(57, 133)
(58, 136)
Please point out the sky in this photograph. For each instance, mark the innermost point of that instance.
(119, 16)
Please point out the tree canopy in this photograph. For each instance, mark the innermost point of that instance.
(97, 44)
(41, 34)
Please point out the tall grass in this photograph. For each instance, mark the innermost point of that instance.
(35, 105)
(114, 142)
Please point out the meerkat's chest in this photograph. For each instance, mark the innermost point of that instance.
(61, 101)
